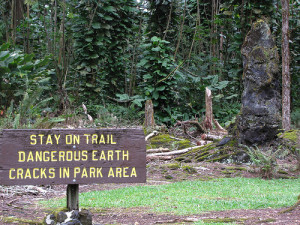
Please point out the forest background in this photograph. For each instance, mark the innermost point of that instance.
(113, 55)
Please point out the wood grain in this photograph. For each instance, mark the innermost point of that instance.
(93, 156)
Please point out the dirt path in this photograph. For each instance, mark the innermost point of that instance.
(19, 205)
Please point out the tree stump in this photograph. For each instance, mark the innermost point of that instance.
(208, 109)
(149, 114)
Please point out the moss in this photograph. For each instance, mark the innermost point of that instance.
(219, 158)
(179, 159)
(189, 169)
(21, 221)
(224, 220)
(165, 141)
(184, 144)
(291, 135)
(207, 147)
(270, 220)
(187, 160)
(228, 171)
(232, 143)
(173, 166)
(168, 177)
(236, 168)
(282, 172)
(204, 157)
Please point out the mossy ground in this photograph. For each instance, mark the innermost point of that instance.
(20, 221)
(291, 136)
(165, 141)
(210, 153)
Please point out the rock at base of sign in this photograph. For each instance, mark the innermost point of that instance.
(61, 216)
(75, 217)
(86, 217)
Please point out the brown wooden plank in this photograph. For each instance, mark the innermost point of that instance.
(88, 156)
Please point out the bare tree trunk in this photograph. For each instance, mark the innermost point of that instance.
(196, 29)
(181, 30)
(27, 43)
(149, 114)
(208, 110)
(286, 79)
(134, 61)
(169, 20)
(13, 19)
(213, 33)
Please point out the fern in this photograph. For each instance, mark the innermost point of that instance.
(266, 161)
(16, 122)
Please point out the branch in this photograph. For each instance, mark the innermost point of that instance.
(173, 71)
(178, 152)
(154, 133)
(192, 122)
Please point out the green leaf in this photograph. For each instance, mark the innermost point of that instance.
(106, 26)
(89, 39)
(94, 56)
(161, 88)
(155, 39)
(155, 95)
(123, 97)
(89, 85)
(147, 76)
(156, 49)
(5, 46)
(4, 55)
(138, 102)
(142, 62)
(96, 25)
(109, 9)
(109, 18)
(222, 85)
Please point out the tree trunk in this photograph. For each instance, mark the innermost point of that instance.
(149, 114)
(286, 79)
(181, 30)
(208, 109)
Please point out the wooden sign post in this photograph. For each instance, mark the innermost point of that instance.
(79, 156)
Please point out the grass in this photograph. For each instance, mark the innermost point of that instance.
(192, 197)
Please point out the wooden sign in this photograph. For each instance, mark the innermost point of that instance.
(79, 156)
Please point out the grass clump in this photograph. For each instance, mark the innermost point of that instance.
(173, 166)
(189, 169)
(193, 197)
(16, 220)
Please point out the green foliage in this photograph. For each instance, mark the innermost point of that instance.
(21, 74)
(265, 160)
(295, 117)
(28, 114)
(102, 30)
(159, 83)
(123, 51)
(112, 115)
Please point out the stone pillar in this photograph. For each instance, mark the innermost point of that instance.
(260, 114)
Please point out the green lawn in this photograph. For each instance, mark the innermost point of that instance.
(193, 197)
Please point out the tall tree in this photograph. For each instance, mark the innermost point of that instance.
(286, 79)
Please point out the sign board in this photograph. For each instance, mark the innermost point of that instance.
(79, 156)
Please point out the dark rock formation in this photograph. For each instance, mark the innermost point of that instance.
(86, 217)
(75, 217)
(260, 114)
